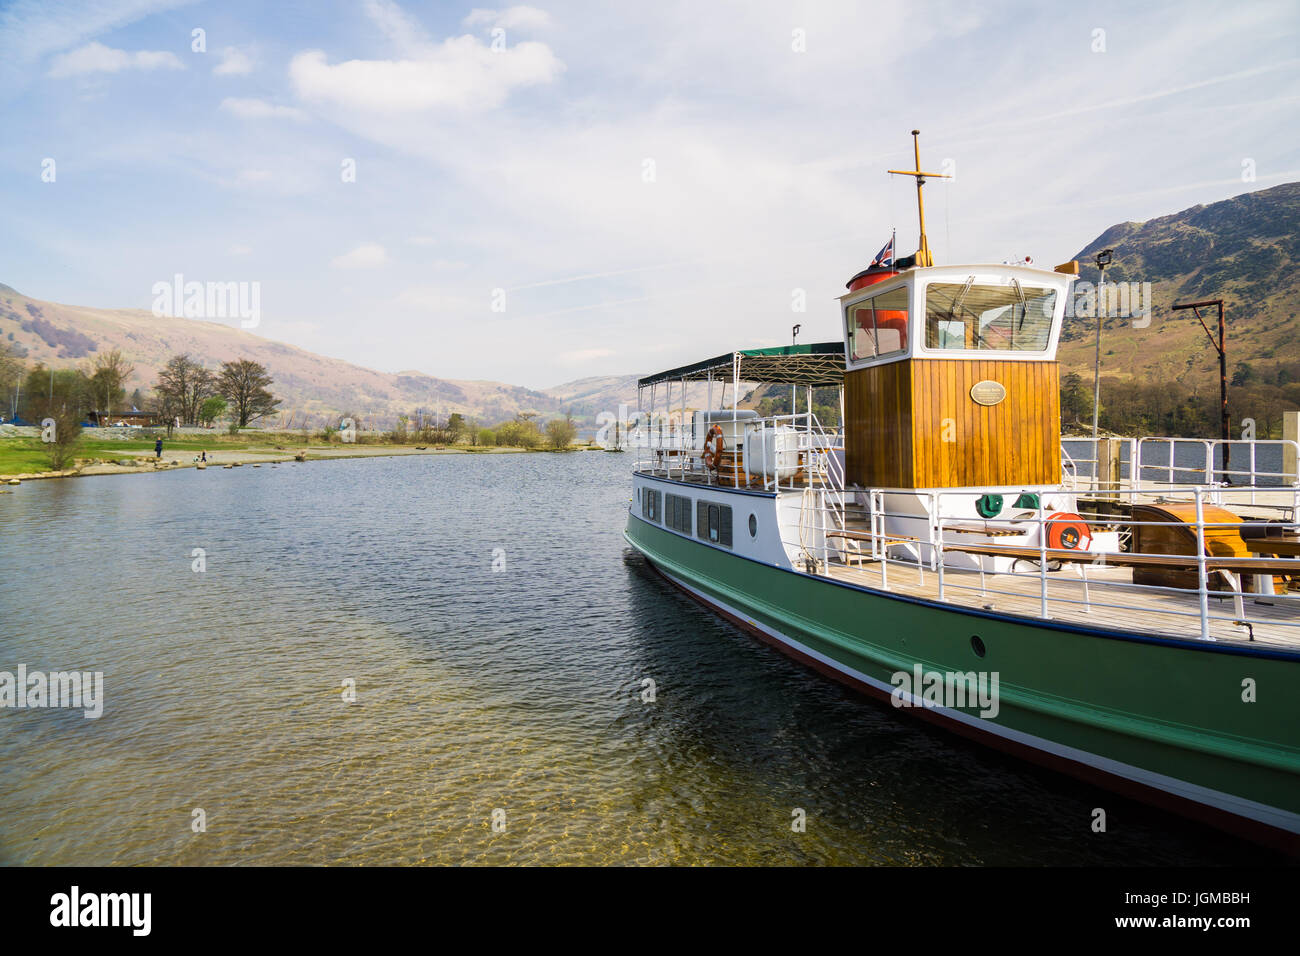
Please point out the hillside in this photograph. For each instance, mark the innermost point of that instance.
(1244, 250)
(315, 388)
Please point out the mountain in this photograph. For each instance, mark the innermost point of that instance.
(314, 388)
(1244, 250)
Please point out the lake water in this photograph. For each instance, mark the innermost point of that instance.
(477, 690)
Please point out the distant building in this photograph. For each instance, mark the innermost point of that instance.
(134, 419)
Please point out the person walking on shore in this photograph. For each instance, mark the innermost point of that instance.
(157, 448)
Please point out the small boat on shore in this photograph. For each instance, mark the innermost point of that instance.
(939, 551)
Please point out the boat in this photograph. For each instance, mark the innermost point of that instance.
(940, 551)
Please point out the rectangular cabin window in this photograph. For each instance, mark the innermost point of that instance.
(981, 318)
(713, 523)
(878, 326)
(650, 505)
(677, 513)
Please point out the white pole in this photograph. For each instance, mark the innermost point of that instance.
(1200, 565)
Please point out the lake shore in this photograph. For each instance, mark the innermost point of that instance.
(134, 457)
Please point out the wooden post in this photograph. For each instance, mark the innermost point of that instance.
(1113, 462)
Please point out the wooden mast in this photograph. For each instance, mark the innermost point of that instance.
(923, 256)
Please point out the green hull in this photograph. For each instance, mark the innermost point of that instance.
(1161, 720)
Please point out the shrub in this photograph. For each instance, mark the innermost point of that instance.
(66, 437)
(560, 433)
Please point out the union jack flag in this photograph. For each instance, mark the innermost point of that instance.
(885, 257)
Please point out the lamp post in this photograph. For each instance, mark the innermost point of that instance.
(1103, 260)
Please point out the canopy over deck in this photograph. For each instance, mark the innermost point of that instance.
(820, 365)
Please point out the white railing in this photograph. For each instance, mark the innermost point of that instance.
(979, 572)
(1145, 463)
(666, 446)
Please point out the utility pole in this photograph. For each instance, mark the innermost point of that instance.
(1221, 346)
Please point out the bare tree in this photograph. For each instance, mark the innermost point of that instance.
(109, 373)
(183, 384)
(11, 376)
(244, 384)
(560, 432)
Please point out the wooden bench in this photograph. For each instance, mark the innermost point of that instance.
(1121, 559)
(1230, 568)
(978, 529)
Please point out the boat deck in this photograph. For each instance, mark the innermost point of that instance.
(1111, 601)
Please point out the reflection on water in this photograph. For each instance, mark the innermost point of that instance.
(519, 690)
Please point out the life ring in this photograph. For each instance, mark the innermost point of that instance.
(713, 446)
(1068, 532)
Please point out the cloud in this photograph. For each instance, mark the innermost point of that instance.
(30, 31)
(399, 29)
(233, 63)
(369, 255)
(97, 58)
(584, 355)
(239, 249)
(427, 299)
(259, 109)
(462, 73)
(513, 18)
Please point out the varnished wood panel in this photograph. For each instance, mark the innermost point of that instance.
(898, 414)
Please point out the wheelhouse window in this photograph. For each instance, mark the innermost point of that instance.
(972, 317)
(878, 326)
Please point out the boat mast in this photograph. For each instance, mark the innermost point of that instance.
(923, 257)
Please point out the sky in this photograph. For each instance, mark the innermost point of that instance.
(537, 194)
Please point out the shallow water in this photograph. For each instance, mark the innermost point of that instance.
(518, 690)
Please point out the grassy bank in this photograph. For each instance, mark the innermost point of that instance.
(26, 456)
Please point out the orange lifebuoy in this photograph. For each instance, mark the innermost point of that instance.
(713, 446)
(1068, 532)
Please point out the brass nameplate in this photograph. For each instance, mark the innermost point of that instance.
(988, 392)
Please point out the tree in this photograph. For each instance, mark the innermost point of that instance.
(46, 393)
(182, 387)
(456, 426)
(212, 409)
(61, 431)
(109, 373)
(560, 432)
(522, 432)
(1076, 400)
(244, 383)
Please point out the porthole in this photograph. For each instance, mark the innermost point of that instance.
(977, 646)
(753, 526)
